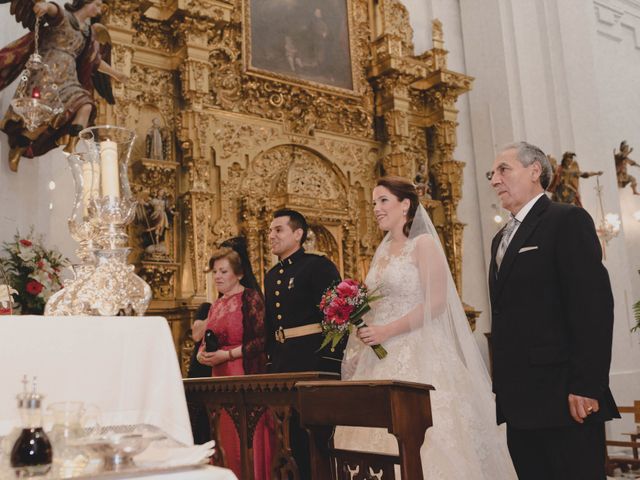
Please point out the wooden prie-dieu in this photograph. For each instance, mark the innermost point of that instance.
(321, 402)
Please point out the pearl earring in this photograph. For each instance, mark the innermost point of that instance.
(404, 212)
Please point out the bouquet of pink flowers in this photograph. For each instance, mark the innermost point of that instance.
(343, 307)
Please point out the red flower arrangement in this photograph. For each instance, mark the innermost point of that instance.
(343, 307)
(33, 271)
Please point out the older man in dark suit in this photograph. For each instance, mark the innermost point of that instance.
(552, 324)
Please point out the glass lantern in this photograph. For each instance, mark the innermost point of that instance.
(84, 230)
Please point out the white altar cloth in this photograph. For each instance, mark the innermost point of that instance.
(127, 366)
(204, 472)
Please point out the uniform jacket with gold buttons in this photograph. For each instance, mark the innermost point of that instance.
(293, 289)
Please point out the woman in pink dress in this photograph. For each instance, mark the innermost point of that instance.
(237, 321)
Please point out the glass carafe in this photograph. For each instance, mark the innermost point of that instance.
(31, 453)
(70, 422)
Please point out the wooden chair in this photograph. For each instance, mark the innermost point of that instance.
(625, 463)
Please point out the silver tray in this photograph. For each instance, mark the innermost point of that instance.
(114, 464)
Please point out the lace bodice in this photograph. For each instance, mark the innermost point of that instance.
(397, 279)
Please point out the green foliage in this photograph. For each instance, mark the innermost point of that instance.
(636, 314)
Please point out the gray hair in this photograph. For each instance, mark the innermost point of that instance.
(528, 154)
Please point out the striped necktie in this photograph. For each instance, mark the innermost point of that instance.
(506, 238)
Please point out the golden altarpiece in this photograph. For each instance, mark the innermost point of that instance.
(242, 141)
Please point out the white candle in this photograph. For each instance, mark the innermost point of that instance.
(87, 178)
(110, 180)
(90, 183)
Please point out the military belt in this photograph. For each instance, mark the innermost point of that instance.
(284, 334)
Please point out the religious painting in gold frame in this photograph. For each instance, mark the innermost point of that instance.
(300, 41)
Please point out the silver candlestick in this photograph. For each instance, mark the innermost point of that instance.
(113, 287)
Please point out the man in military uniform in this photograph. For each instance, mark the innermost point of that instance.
(293, 289)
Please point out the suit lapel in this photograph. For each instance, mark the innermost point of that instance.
(493, 268)
(524, 231)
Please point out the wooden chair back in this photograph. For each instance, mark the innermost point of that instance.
(626, 462)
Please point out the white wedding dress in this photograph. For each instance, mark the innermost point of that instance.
(464, 441)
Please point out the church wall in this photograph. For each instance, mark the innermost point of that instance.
(616, 32)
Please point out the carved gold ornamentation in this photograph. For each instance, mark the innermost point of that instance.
(246, 143)
(162, 278)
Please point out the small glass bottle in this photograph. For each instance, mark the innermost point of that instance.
(31, 454)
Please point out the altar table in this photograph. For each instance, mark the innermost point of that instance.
(127, 366)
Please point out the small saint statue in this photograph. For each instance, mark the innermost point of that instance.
(156, 143)
(565, 185)
(155, 214)
(622, 161)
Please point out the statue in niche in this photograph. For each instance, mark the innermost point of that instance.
(155, 214)
(622, 162)
(78, 52)
(157, 141)
(565, 184)
(424, 182)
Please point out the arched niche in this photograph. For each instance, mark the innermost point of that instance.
(297, 177)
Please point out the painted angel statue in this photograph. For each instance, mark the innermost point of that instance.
(77, 52)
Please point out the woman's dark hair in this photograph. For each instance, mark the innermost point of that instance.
(296, 221)
(402, 188)
(239, 245)
(76, 5)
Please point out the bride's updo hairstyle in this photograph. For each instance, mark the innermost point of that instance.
(402, 188)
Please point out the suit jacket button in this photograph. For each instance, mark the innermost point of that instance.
(496, 312)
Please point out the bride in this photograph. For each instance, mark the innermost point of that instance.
(421, 323)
